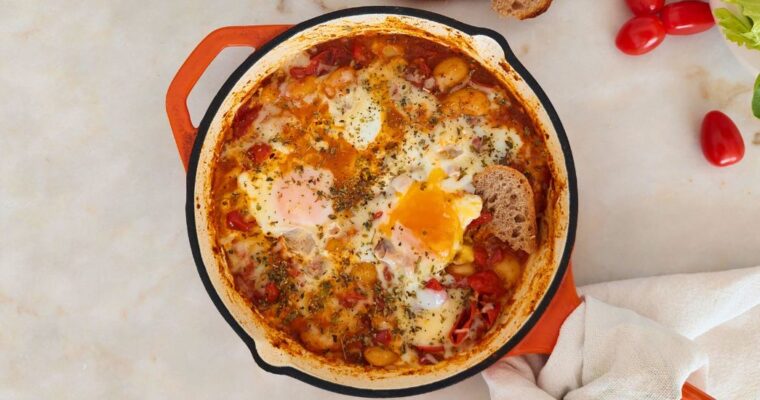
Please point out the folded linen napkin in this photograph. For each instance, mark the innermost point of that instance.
(643, 338)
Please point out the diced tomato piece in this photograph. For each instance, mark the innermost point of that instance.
(259, 152)
(433, 284)
(490, 312)
(432, 349)
(485, 282)
(243, 119)
(271, 292)
(428, 359)
(337, 55)
(421, 65)
(302, 72)
(235, 220)
(377, 215)
(361, 53)
(495, 255)
(477, 143)
(461, 329)
(350, 298)
(480, 254)
(387, 274)
(383, 337)
(484, 218)
(293, 271)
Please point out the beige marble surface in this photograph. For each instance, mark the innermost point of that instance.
(99, 297)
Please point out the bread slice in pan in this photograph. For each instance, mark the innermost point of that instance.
(507, 194)
(520, 9)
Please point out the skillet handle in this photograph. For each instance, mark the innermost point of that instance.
(191, 70)
(542, 338)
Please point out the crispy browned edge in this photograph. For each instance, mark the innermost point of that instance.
(282, 341)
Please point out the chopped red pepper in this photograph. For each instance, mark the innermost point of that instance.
(235, 220)
(485, 282)
(480, 254)
(360, 53)
(243, 119)
(484, 218)
(350, 298)
(495, 255)
(383, 337)
(491, 313)
(432, 349)
(336, 56)
(421, 65)
(461, 329)
(387, 274)
(293, 271)
(271, 292)
(377, 215)
(259, 152)
(433, 284)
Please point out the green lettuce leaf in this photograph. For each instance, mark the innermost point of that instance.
(742, 28)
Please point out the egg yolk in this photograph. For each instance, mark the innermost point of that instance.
(429, 213)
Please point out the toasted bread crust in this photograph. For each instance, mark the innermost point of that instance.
(507, 194)
(536, 8)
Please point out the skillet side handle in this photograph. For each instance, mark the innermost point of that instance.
(191, 70)
(542, 338)
(691, 392)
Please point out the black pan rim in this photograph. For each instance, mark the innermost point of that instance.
(571, 180)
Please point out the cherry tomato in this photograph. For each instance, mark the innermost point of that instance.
(259, 152)
(485, 282)
(640, 35)
(722, 143)
(645, 7)
(687, 17)
(235, 220)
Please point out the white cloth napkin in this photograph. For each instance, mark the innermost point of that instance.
(643, 338)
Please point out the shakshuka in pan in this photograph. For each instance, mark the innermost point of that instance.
(377, 197)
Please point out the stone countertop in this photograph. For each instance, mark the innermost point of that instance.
(99, 296)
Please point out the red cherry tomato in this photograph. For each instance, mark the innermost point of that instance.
(687, 17)
(722, 143)
(645, 7)
(640, 35)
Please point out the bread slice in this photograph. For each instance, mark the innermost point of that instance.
(520, 9)
(507, 194)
